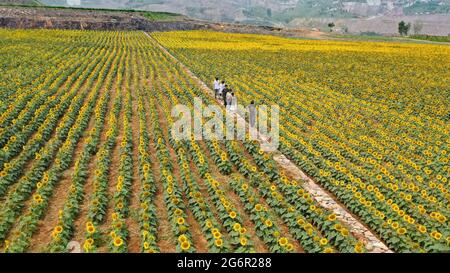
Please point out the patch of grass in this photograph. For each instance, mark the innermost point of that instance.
(20, 3)
(444, 39)
(159, 16)
(364, 36)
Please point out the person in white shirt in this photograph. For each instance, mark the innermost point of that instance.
(216, 87)
(233, 102)
(229, 98)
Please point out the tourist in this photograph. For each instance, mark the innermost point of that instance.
(216, 87)
(222, 86)
(252, 113)
(233, 106)
(224, 95)
(229, 98)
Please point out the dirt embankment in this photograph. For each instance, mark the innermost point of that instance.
(18, 17)
(52, 18)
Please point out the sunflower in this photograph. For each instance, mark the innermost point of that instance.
(344, 232)
(178, 212)
(338, 227)
(289, 247)
(217, 235)
(114, 216)
(258, 207)
(144, 206)
(283, 241)
(232, 214)
(268, 223)
(331, 217)
(243, 230)
(118, 241)
(218, 242)
(182, 238)
(358, 249)
(58, 229)
(401, 231)
(395, 225)
(323, 241)
(437, 235)
(236, 226)
(180, 220)
(146, 245)
(185, 245)
(37, 197)
(87, 247)
(243, 241)
(328, 250)
(112, 234)
(90, 229)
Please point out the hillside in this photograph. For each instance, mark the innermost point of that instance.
(21, 2)
(273, 11)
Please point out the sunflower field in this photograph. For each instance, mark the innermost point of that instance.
(86, 153)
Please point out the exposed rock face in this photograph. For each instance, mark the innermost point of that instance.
(90, 20)
(102, 20)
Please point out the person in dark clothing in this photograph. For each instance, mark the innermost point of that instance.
(224, 95)
(252, 113)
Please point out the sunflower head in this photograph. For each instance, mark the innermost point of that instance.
(180, 220)
(185, 245)
(236, 226)
(218, 242)
(232, 215)
(118, 241)
(283, 241)
(331, 217)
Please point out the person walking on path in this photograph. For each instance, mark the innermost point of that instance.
(252, 113)
(233, 102)
(222, 86)
(229, 99)
(224, 95)
(216, 87)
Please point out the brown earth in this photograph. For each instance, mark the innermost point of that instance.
(54, 18)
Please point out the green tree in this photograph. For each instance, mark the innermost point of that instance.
(403, 28)
(331, 26)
